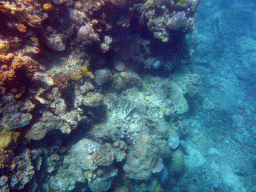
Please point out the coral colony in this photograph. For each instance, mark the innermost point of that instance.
(84, 105)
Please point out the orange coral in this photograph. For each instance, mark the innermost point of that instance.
(17, 72)
(23, 12)
(12, 10)
(22, 28)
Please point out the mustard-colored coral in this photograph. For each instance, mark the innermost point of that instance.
(20, 94)
(89, 176)
(48, 7)
(4, 47)
(7, 138)
(85, 71)
(22, 28)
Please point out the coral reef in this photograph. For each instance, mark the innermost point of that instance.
(80, 72)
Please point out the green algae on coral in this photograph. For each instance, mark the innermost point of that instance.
(180, 1)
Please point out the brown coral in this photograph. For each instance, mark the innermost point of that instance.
(18, 72)
(104, 155)
(5, 158)
(61, 80)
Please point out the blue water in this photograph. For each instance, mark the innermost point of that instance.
(225, 49)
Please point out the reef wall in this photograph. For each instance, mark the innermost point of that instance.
(80, 105)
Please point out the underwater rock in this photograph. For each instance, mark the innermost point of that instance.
(93, 99)
(194, 84)
(102, 76)
(65, 179)
(119, 65)
(173, 139)
(140, 159)
(180, 105)
(86, 35)
(25, 171)
(55, 42)
(126, 80)
(17, 120)
(81, 155)
(158, 166)
(46, 123)
(99, 184)
(177, 163)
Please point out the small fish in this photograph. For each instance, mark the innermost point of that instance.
(180, 1)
